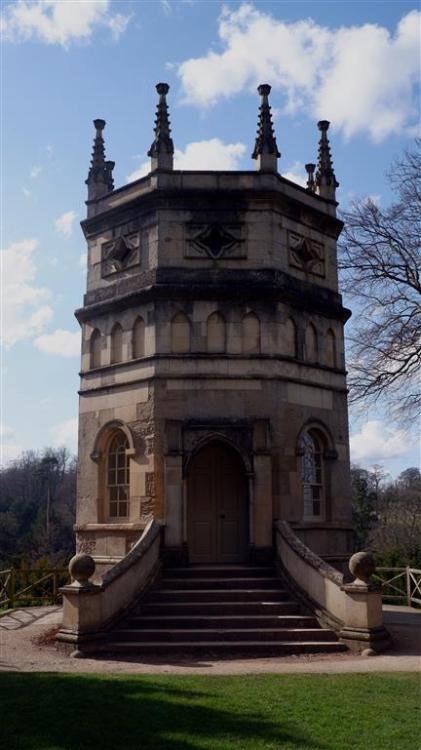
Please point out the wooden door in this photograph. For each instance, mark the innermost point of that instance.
(217, 517)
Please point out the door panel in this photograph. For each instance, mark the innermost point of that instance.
(217, 512)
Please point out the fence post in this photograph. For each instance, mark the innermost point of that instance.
(408, 585)
(12, 584)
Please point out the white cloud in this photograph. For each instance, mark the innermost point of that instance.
(296, 173)
(25, 311)
(64, 223)
(9, 448)
(26, 192)
(377, 442)
(65, 433)
(60, 21)
(211, 154)
(35, 172)
(83, 261)
(362, 78)
(166, 7)
(61, 343)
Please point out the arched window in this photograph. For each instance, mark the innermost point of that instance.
(95, 346)
(216, 333)
(138, 338)
(311, 343)
(250, 334)
(290, 345)
(116, 344)
(118, 476)
(312, 473)
(180, 334)
(330, 349)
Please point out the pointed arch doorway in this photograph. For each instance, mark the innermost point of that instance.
(217, 506)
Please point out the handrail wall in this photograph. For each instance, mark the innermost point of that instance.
(90, 609)
(319, 581)
(353, 610)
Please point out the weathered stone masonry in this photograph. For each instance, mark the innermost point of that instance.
(212, 315)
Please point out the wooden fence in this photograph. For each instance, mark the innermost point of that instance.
(29, 587)
(400, 585)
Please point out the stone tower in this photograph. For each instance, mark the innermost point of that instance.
(213, 392)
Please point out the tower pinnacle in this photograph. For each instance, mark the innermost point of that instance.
(162, 148)
(100, 178)
(325, 176)
(265, 149)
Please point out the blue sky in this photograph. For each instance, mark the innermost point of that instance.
(66, 62)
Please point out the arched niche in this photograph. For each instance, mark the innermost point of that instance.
(331, 356)
(116, 344)
(180, 334)
(216, 333)
(311, 344)
(250, 334)
(290, 338)
(95, 347)
(138, 338)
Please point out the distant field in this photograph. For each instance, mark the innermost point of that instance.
(251, 712)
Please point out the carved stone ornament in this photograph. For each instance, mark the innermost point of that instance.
(121, 253)
(306, 254)
(86, 544)
(215, 241)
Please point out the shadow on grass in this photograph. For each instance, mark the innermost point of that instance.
(73, 712)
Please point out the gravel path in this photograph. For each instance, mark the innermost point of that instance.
(26, 646)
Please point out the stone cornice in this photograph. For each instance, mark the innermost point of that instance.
(208, 376)
(176, 283)
(305, 207)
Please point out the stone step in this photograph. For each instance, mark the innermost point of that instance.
(220, 608)
(218, 595)
(142, 635)
(220, 571)
(221, 621)
(227, 649)
(218, 583)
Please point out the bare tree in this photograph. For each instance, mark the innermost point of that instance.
(380, 259)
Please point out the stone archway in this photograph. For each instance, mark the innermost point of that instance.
(217, 506)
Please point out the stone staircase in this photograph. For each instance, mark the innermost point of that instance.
(220, 611)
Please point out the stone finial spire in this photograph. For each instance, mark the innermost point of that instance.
(311, 185)
(100, 178)
(265, 149)
(325, 176)
(162, 149)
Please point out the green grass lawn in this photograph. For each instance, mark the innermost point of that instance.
(274, 712)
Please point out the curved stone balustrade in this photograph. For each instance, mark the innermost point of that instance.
(90, 609)
(354, 609)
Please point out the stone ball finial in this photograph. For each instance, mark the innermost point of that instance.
(264, 89)
(362, 566)
(323, 125)
(82, 568)
(162, 88)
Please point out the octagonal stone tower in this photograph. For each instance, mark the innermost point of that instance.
(213, 392)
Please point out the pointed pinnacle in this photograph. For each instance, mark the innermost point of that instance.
(310, 169)
(265, 139)
(162, 143)
(325, 176)
(100, 178)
